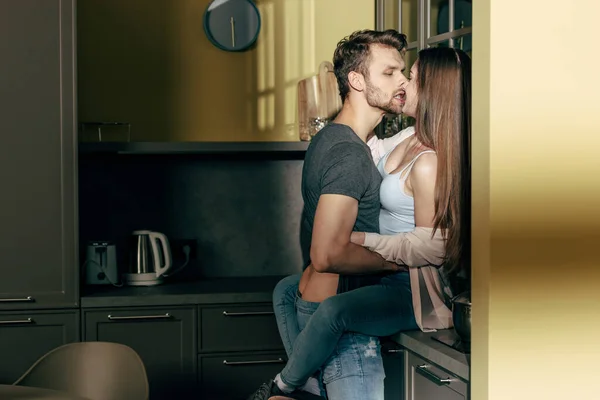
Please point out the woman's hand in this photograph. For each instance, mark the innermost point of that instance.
(357, 238)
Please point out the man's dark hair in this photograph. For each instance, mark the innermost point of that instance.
(352, 53)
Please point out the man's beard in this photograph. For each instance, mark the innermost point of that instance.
(375, 98)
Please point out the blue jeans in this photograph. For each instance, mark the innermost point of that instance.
(355, 369)
(284, 306)
(378, 310)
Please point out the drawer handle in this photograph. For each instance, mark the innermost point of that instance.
(423, 370)
(278, 361)
(393, 351)
(27, 299)
(244, 314)
(137, 317)
(17, 321)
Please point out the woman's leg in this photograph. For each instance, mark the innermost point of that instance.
(304, 311)
(284, 298)
(378, 310)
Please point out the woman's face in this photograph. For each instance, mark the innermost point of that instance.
(411, 94)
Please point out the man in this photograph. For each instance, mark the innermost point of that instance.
(340, 186)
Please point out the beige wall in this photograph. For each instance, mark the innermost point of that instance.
(148, 62)
(536, 193)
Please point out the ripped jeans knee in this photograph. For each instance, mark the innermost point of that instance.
(357, 356)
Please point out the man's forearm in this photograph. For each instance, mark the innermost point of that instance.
(353, 259)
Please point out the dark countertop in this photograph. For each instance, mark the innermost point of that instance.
(209, 291)
(423, 345)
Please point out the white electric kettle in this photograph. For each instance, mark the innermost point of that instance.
(149, 258)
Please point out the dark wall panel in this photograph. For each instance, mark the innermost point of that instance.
(243, 212)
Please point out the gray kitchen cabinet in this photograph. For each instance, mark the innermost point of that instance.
(238, 327)
(234, 376)
(425, 381)
(38, 159)
(165, 339)
(26, 336)
(394, 359)
(239, 348)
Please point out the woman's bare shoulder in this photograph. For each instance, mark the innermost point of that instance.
(424, 170)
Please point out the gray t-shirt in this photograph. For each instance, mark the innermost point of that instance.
(339, 162)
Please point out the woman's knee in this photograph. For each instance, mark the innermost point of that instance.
(332, 312)
(286, 289)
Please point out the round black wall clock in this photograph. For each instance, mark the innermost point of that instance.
(232, 25)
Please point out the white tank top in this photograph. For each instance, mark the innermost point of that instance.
(397, 212)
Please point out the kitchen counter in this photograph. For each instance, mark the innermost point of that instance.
(423, 345)
(209, 291)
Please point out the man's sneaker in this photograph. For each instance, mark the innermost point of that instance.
(297, 395)
(270, 389)
(265, 391)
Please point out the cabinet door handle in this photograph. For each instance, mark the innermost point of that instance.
(393, 351)
(17, 321)
(243, 314)
(132, 317)
(27, 299)
(423, 370)
(277, 361)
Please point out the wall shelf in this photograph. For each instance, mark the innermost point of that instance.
(192, 148)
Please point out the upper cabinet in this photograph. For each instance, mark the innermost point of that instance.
(428, 23)
(38, 164)
(151, 68)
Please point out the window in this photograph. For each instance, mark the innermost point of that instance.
(428, 23)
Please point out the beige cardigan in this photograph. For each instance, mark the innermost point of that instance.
(419, 251)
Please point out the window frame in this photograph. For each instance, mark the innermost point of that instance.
(423, 24)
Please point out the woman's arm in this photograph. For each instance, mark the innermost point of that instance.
(413, 249)
(380, 147)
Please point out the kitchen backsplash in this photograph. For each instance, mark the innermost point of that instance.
(243, 212)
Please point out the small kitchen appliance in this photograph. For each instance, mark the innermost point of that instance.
(149, 258)
(101, 264)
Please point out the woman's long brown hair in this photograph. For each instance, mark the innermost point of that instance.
(443, 123)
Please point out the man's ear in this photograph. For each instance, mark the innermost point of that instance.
(356, 81)
(403, 52)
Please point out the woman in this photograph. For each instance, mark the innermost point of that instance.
(424, 224)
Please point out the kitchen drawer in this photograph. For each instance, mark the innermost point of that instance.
(164, 338)
(238, 328)
(27, 336)
(236, 376)
(426, 380)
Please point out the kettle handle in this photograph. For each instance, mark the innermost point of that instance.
(166, 251)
